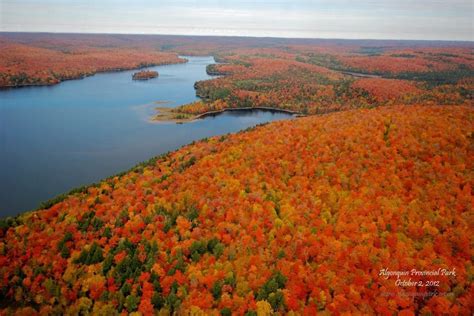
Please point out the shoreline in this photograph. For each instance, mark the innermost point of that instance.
(359, 74)
(168, 115)
(85, 75)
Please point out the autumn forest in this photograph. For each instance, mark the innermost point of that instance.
(361, 204)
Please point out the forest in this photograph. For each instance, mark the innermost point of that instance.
(295, 217)
(241, 224)
(334, 79)
(57, 59)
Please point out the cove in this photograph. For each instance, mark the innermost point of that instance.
(55, 138)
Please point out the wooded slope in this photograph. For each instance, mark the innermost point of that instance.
(294, 216)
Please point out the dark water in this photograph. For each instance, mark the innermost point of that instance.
(53, 139)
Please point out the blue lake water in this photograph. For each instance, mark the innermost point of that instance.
(53, 139)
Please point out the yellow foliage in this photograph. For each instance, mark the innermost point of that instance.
(264, 308)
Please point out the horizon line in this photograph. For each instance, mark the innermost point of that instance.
(245, 36)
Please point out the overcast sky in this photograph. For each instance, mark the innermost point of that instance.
(374, 19)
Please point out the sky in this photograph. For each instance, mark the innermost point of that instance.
(351, 19)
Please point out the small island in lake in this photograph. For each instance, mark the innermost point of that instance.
(145, 75)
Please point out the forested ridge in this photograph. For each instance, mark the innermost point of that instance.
(294, 216)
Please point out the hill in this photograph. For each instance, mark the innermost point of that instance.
(310, 215)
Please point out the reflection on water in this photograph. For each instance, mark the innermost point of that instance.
(56, 138)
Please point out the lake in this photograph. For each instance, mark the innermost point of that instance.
(55, 138)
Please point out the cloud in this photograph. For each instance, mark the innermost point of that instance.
(422, 19)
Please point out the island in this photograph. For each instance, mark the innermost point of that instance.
(145, 75)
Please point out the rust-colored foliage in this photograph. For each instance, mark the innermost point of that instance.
(24, 64)
(309, 79)
(296, 215)
(305, 76)
(395, 61)
(145, 75)
(388, 90)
